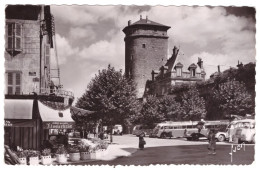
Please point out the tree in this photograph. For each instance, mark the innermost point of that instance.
(157, 109)
(233, 98)
(111, 95)
(149, 112)
(169, 108)
(193, 105)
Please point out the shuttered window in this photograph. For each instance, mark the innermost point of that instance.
(47, 55)
(14, 37)
(13, 83)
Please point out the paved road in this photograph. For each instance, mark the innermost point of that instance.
(177, 151)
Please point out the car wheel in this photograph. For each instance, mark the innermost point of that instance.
(195, 137)
(221, 138)
(163, 135)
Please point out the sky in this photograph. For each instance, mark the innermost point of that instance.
(89, 38)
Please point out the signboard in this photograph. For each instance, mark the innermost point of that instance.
(32, 73)
(58, 125)
(36, 79)
(19, 123)
(8, 123)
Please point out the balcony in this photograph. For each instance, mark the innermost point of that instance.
(56, 92)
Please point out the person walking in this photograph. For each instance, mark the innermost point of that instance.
(212, 142)
(141, 141)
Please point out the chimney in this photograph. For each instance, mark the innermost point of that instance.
(153, 73)
(218, 69)
(129, 22)
(200, 63)
(140, 17)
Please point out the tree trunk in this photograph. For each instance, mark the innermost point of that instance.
(111, 134)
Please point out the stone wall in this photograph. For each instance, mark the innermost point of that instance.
(144, 53)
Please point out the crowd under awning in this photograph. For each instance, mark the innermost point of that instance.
(18, 113)
(55, 119)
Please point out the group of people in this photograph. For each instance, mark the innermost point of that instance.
(211, 138)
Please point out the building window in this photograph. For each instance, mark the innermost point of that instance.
(179, 71)
(143, 45)
(13, 83)
(132, 57)
(193, 72)
(47, 55)
(14, 37)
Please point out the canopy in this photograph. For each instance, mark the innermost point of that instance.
(55, 119)
(18, 109)
(78, 111)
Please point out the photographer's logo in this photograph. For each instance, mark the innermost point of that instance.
(235, 148)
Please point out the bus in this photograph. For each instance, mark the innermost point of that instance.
(138, 129)
(192, 130)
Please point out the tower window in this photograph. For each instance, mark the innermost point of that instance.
(132, 57)
(143, 45)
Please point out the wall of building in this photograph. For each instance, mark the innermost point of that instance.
(27, 62)
(140, 61)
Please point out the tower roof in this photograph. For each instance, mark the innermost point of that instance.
(146, 22)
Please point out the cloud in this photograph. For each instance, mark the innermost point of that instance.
(77, 33)
(106, 52)
(92, 37)
(64, 50)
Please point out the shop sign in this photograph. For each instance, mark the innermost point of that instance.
(58, 125)
(8, 123)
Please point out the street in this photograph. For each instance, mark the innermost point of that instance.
(176, 151)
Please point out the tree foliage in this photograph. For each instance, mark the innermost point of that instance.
(169, 108)
(111, 95)
(193, 105)
(157, 109)
(233, 98)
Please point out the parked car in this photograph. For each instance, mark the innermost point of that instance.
(117, 130)
(244, 131)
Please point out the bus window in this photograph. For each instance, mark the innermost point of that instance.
(171, 127)
(161, 127)
(189, 126)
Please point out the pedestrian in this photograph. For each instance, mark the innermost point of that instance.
(212, 142)
(141, 141)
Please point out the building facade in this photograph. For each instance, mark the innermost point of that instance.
(174, 73)
(28, 42)
(33, 107)
(146, 46)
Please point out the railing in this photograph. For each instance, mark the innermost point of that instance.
(56, 92)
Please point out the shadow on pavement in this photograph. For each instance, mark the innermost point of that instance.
(188, 154)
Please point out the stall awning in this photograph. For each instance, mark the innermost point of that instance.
(55, 119)
(78, 111)
(18, 109)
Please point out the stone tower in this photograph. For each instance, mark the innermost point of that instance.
(146, 46)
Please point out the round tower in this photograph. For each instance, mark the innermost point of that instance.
(146, 46)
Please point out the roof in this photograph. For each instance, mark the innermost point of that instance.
(22, 12)
(179, 65)
(192, 66)
(147, 22)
